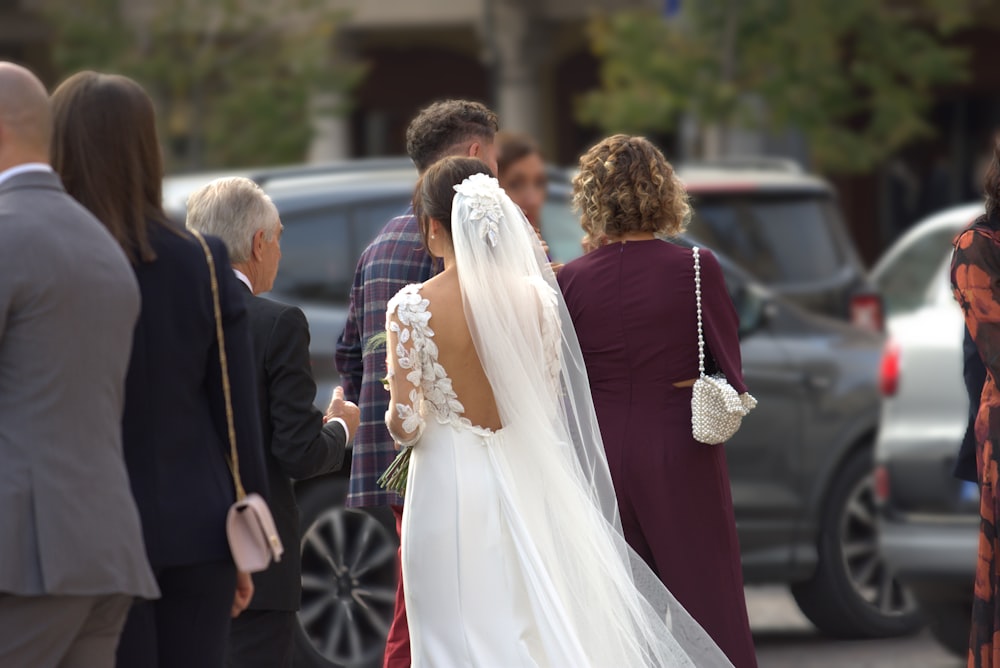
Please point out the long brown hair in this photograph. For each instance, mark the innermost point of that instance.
(106, 151)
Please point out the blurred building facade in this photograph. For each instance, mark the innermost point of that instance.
(530, 59)
(24, 37)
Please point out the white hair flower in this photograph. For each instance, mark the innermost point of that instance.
(483, 193)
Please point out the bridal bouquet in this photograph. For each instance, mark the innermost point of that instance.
(394, 477)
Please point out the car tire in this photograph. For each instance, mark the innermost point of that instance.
(852, 593)
(348, 579)
(950, 624)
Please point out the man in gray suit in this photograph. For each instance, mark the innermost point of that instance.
(71, 548)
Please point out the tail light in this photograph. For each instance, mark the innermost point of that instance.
(881, 484)
(866, 311)
(888, 376)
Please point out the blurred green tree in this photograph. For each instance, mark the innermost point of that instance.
(855, 77)
(236, 82)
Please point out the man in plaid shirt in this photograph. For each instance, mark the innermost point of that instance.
(393, 260)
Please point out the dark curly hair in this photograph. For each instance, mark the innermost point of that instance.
(626, 185)
(437, 129)
(991, 183)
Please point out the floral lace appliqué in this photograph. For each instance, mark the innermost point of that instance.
(417, 354)
(483, 193)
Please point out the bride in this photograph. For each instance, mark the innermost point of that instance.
(512, 550)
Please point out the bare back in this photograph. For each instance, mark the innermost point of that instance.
(457, 352)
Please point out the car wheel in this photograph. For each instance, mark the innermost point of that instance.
(853, 593)
(348, 579)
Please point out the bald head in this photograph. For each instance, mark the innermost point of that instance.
(25, 117)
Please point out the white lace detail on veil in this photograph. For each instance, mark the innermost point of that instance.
(602, 604)
(484, 206)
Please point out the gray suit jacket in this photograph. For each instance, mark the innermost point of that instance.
(68, 304)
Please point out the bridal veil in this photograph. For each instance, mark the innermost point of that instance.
(598, 603)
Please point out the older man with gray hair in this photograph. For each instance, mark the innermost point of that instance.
(300, 442)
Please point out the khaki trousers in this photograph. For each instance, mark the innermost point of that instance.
(61, 631)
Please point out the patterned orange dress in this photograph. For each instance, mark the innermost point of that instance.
(975, 277)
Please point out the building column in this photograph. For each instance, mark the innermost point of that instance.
(516, 51)
(331, 139)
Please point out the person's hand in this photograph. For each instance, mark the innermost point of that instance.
(347, 411)
(244, 592)
(545, 246)
(555, 267)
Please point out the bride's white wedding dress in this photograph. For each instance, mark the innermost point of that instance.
(512, 552)
(470, 591)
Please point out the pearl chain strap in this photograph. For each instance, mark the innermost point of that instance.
(697, 301)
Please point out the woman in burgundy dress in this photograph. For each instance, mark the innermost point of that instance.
(632, 301)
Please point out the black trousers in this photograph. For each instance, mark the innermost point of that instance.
(188, 626)
(262, 639)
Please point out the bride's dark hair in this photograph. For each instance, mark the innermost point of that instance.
(435, 190)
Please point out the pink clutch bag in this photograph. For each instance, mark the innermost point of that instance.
(253, 538)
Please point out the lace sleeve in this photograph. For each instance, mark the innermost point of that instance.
(405, 314)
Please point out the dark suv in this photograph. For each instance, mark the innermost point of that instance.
(800, 466)
(784, 228)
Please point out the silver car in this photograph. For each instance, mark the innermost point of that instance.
(929, 519)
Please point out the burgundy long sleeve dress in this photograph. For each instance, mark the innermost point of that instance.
(633, 307)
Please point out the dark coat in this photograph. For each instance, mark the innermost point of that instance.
(175, 432)
(297, 444)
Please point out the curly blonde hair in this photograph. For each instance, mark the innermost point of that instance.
(626, 185)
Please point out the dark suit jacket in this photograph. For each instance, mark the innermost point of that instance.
(175, 430)
(296, 442)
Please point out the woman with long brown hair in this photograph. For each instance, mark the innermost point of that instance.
(106, 150)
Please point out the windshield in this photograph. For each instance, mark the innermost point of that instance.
(776, 238)
(905, 281)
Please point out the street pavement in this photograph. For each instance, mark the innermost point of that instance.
(786, 639)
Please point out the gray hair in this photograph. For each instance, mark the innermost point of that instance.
(233, 208)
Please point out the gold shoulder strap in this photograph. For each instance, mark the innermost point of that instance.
(233, 459)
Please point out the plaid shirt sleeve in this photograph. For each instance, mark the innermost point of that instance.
(349, 346)
(395, 259)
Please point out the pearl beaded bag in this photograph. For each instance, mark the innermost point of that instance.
(716, 409)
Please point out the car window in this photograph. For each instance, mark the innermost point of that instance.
(784, 239)
(371, 217)
(317, 259)
(320, 248)
(561, 230)
(906, 281)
